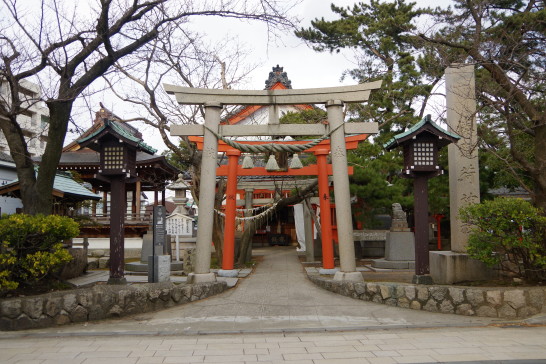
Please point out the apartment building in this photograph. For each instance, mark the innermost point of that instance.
(34, 120)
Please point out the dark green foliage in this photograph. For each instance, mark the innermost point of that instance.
(31, 247)
(509, 233)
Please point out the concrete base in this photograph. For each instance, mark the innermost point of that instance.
(142, 267)
(330, 272)
(201, 278)
(159, 268)
(349, 277)
(117, 281)
(393, 264)
(228, 273)
(447, 267)
(422, 279)
(400, 245)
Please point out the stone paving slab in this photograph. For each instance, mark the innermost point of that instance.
(487, 345)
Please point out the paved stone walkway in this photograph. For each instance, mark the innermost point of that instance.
(277, 316)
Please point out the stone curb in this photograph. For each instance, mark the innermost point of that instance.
(99, 302)
(505, 303)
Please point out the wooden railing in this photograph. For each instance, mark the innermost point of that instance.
(130, 218)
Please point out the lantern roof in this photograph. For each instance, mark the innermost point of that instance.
(426, 125)
(113, 128)
(179, 184)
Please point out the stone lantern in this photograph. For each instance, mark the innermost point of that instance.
(117, 149)
(179, 187)
(421, 144)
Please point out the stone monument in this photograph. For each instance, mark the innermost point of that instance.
(399, 244)
(448, 267)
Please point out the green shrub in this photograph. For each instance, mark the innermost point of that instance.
(31, 247)
(509, 233)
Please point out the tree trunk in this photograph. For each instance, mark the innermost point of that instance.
(59, 115)
(244, 255)
(540, 167)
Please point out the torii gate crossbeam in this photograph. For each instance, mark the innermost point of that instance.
(213, 101)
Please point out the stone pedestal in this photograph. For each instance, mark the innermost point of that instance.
(194, 278)
(349, 276)
(228, 273)
(159, 268)
(449, 267)
(148, 250)
(399, 251)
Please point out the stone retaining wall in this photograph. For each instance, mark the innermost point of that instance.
(98, 302)
(507, 303)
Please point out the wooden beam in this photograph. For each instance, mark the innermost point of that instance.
(275, 130)
(199, 96)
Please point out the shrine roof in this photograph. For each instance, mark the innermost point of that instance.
(277, 80)
(63, 186)
(117, 128)
(426, 124)
(90, 157)
(5, 157)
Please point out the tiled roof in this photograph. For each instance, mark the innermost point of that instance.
(6, 157)
(427, 120)
(64, 183)
(123, 132)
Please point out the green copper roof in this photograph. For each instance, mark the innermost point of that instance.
(118, 129)
(65, 183)
(427, 120)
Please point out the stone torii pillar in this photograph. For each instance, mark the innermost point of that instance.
(214, 100)
(207, 187)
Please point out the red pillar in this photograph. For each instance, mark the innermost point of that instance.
(231, 202)
(325, 213)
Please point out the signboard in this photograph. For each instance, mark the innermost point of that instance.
(179, 225)
(159, 226)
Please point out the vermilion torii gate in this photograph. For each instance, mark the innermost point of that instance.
(322, 170)
(213, 101)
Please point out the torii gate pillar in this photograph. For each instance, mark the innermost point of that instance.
(342, 195)
(333, 97)
(207, 187)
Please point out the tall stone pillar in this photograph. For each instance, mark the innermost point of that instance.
(448, 267)
(464, 183)
(342, 194)
(207, 188)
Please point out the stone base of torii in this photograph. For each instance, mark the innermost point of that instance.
(213, 102)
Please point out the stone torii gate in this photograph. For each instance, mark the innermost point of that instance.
(213, 101)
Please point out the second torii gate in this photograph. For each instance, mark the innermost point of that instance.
(322, 170)
(213, 101)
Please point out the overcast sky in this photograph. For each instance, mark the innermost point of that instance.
(305, 67)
